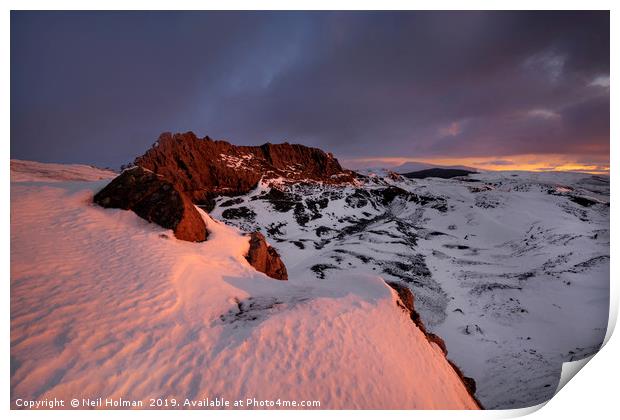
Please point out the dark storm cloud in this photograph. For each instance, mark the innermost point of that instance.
(99, 87)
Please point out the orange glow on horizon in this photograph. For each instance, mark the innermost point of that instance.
(530, 162)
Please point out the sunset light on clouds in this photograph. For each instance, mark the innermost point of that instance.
(529, 89)
(531, 162)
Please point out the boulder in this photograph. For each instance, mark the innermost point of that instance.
(156, 200)
(265, 258)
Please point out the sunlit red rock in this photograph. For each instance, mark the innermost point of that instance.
(265, 258)
(154, 199)
(204, 168)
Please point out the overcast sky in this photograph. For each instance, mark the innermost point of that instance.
(482, 87)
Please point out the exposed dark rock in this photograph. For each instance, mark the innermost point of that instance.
(315, 205)
(408, 232)
(582, 201)
(154, 199)
(274, 228)
(243, 212)
(482, 188)
(486, 202)
(433, 234)
(321, 244)
(387, 195)
(358, 225)
(358, 199)
(319, 269)
(257, 309)
(300, 214)
(265, 258)
(592, 262)
(207, 205)
(410, 269)
(280, 200)
(363, 258)
(437, 203)
(455, 246)
(232, 202)
(323, 230)
(479, 289)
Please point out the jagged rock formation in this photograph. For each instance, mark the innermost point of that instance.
(407, 303)
(265, 258)
(154, 199)
(205, 168)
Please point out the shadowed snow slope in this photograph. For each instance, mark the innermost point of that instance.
(104, 304)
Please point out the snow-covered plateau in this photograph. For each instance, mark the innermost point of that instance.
(106, 305)
(511, 269)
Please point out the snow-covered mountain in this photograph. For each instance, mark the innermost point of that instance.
(105, 304)
(511, 269)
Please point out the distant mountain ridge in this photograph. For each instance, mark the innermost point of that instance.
(444, 173)
(378, 166)
(420, 166)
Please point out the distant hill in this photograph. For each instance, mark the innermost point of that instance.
(437, 173)
(413, 166)
(378, 166)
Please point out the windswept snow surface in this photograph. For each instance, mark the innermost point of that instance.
(25, 170)
(104, 304)
(511, 269)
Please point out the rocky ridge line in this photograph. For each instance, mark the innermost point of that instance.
(204, 168)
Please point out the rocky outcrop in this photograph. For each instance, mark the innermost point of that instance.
(265, 258)
(394, 176)
(406, 301)
(469, 383)
(204, 168)
(154, 199)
